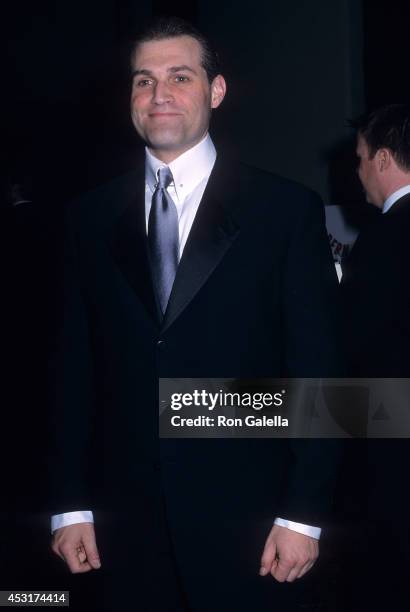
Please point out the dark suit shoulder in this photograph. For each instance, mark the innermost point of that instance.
(267, 177)
(274, 188)
(387, 235)
(398, 217)
(259, 200)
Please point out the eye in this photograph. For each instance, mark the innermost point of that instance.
(143, 82)
(181, 78)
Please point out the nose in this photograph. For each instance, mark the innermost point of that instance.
(162, 93)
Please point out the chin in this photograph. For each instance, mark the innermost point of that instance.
(165, 139)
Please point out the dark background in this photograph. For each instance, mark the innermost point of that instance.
(65, 114)
(296, 72)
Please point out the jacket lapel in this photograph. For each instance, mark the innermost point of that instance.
(212, 233)
(129, 246)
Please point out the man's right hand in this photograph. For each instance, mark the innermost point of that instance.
(76, 545)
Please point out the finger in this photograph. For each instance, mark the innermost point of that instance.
(56, 550)
(81, 554)
(268, 559)
(294, 572)
(283, 569)
(62, 548)
(314, 554)
(70, 555)
(91, 550)
(300, 567)
(308, 566)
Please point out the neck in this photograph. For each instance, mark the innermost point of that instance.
(168, 156)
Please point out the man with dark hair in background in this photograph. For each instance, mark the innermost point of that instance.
(376, 291)
(377, 273)
(193, 267)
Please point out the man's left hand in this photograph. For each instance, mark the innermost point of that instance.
(288, 554)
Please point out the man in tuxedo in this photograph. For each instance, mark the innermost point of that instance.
(374, 277)
(376, 295)
(224, 272)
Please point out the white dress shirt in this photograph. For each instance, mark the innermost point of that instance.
(396, 195)
(190, 172)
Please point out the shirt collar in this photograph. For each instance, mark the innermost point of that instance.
(188, 170)
(392, 199)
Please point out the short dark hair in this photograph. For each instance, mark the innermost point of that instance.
(172, 27)
(387, 127)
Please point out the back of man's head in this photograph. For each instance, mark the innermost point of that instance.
(387, 127)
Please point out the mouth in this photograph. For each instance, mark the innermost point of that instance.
(160, 115)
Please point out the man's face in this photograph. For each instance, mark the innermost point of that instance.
(171, 97)
(368, 173)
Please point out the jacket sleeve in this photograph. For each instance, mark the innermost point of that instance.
(313, 349)
(71, 397)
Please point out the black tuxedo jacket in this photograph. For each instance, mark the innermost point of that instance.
(376, 294)
(254, 296)
(376, 300)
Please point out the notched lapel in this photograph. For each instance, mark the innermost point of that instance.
(129, 248)
(212, 234)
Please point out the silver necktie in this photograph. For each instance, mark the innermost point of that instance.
(163, 238)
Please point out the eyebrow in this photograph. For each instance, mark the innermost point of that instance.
(181, 69)
(172, 70)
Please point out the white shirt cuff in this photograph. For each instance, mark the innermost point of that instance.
(70, 518)
(308, 530)
(86, 516)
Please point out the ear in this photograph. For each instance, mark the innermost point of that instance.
(218, 90)
(384, 159)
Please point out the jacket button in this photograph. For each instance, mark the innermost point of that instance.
(159, 342)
